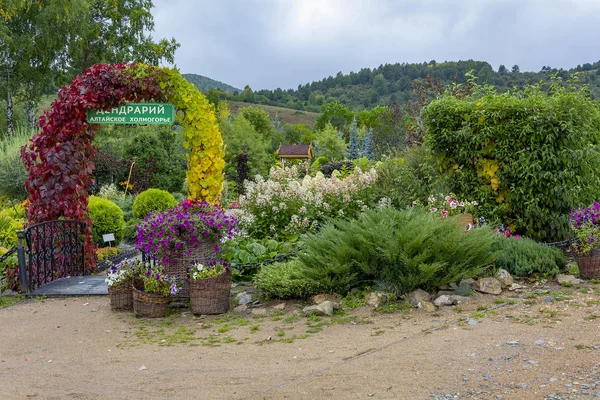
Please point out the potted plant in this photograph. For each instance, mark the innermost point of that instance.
(210, 287)
(151, 293)
(585, 226)
(119, 280)
(184, 235)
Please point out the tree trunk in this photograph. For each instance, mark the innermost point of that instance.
(9, 112)
(31, 122)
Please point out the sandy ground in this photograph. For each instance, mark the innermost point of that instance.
(77, 348)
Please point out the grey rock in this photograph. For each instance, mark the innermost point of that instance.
(376, 299)
(504, 277)
(516, 286)
(539, 342)
(93, 310)
(472, 322)
(323, 309)
(427, 306)
(417, 296)
(548, 299)
(445, 292)
(513, 343)
(242, 308)
(541, 291)
(563, 278)
(244, 298)
(459, 299)
(488, 285)
(443, 301)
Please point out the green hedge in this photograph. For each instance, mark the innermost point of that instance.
(527, 157)
(523, 257)
(152, 200)
(107, 218)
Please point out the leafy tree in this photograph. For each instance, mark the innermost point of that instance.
(261, 121)
(353, 151)
(379, 84)
(329, 144)
(117, 31)
(515, 69)
(502, 69)
(248, 95)
(240, 136)
(298, 133)
(337, 114)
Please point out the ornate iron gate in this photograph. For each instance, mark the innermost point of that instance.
(55, 250)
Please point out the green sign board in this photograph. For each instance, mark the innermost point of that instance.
(135, 113)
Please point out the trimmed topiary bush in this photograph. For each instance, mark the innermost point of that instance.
(523, 257)
(107, 218)
(152, 200)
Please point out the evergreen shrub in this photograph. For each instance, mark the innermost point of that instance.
(152, 200)
(107, 218)
(524, 256)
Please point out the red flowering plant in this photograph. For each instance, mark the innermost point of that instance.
(178, 231)
(585, 226)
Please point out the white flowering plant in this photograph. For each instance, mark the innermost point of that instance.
(200, 271)
(284, 205)
(448, 205)
(121, 272)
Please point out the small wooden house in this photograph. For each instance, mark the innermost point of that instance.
(295, 152)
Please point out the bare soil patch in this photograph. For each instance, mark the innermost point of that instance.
(524, 347)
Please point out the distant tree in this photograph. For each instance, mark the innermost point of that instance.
(337, 114)
(379, 84)
(502, 69)
(515, 69)
(242, 161)
(298, 133)
(367, 145)
(248, 95)
(353, 150)
(329, 144)
(261, 121)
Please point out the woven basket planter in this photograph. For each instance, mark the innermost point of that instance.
(589, 265)
(149, 305)
(204, 254)
(211, 295)
(121, 296)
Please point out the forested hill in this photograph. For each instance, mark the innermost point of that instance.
(392, 84)
(204, 84)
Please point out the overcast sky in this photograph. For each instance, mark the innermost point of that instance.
(282, 43)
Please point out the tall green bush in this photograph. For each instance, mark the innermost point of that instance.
(107, 218)
(527, 157)
(12, 171)
(401, 249)
(152, 200)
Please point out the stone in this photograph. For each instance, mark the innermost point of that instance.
(444, 300)
(513, 343)
(539, 342)
(242, 308)
(459, 299)
(376, 299)
(445, 292)
(244, 298)
(548, 299)
(259, 312)
(426, 306)
(516, 286)
(472, 322)
(322, 310)
(417, 296)
(465, 286)
(488, 285)
(279, 306)
(562, 278)
(504, 277)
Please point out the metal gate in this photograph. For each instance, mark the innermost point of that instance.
(55, 249)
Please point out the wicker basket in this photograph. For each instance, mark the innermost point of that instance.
(149, 304)
(211, 295)
(121, 296)
(204, 253)
(589, 265)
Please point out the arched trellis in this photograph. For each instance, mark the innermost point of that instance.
(60, 158)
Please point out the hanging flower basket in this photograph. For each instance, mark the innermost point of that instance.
(149, 305)
(121, 296)
(211, 295)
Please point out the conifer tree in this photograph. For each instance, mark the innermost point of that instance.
(367, 145)
(353, 150)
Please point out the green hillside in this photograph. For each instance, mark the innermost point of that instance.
(204, 84)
